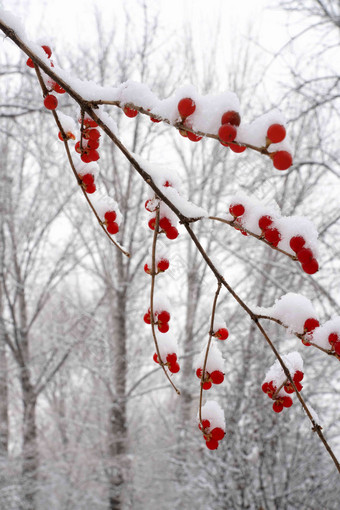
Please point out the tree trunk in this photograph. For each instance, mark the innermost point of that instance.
(30, 446)
(118, 420)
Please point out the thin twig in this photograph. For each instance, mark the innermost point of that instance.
(219, 284)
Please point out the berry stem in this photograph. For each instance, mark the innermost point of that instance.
(219, 285)
(153, 278)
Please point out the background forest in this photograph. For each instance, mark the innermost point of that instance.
(86, 419)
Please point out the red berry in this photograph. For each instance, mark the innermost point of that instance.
(304, 255)
(199, 373)
(310, 324)
(222, 334)
(205, 424)
(155, 120)
(277, 406)
(163, 316)
(155, 358)
(112, 227)
(276, 133)
(273, 236)
(231, 117)
(172, 233)
(152, 223)
(298, 376)
(265, 387)
(193, 137)
(174, 368)
(163, 327)
(336, 348)
(94, 155)
(310, 267)
(91, 188)
(297, 243)
(85, 157)
(50, 102)
(147, 318)
(110, 216)
(227, 133)
(217, 433)
(93, 134)
(57, 88)
(217, 377)
(163, 265)
(171, 358)
(287, 402)
(77, 147)
(206, 385)
(186, 107)
(282, 160)
(150, 205)
(298, 386)
(130, 112)
(47, 50)
(87, 179)
(289, 388)
(265, 222)
(147, 269)
(332, 338)
(164, 223)
(92, 144)
(236, 210)
(237, 148)
(30, 63)
(212, 444)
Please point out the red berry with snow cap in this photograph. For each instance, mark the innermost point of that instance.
(130, 112)
(310, 324)
(236, 210)
(265, 222)
(297, 243)
(231, 117)
(186, 107)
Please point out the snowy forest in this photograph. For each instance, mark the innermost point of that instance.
(169, 255)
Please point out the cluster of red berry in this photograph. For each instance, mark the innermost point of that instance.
(161, 319)
(308, 327)
(227, 133)
(211, 436)
(277, 394)
(304, 255)
(282, 160)
(334, 341)
(162, 265)
(50, 100)
(273, 236)
(89, 140)
(187, 107)
(171, 362)
(110, 222)
(165, 225)
(216, 377)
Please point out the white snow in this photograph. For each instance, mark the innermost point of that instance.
(213, 412)
(214, 362)
(292, 310)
